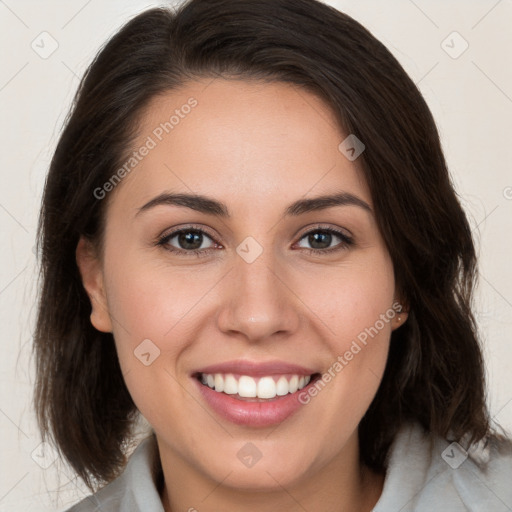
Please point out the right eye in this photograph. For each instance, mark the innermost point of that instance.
(187, 241)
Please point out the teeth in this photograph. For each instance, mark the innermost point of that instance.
(248, 387)
(294, 384)
(219, 382)
(230, 384)
(282, 387)
(266, 388)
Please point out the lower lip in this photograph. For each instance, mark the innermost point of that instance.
(254, 414)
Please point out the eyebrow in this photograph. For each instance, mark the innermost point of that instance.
(211, 206)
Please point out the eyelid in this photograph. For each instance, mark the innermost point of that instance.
(345, 233)
(185, 227)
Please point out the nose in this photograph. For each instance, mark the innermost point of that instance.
(257, 302)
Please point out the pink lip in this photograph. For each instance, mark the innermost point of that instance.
(254, 369)
(253, 414)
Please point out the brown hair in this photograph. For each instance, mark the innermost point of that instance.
(434, 373)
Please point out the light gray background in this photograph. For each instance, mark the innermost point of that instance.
(471, 99)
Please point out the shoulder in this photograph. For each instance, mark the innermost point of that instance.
(426, 472)
(135, 490)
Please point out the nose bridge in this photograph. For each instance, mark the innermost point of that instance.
(257, 285)
(256, 301)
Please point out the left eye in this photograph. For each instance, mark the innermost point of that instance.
(321, 240)
(196, 241)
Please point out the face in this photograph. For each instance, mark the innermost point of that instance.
(241, 291)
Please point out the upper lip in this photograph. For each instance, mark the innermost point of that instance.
(256, 369)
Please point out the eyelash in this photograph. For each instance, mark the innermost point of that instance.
(346, 241)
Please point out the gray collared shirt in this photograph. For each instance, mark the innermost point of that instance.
(424, 473)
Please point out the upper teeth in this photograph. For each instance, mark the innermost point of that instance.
(245, 386)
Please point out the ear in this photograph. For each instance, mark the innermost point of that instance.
(91, 271)
(401, 309)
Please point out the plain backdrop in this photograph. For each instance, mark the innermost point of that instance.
(459, 54)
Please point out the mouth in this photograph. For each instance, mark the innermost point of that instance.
(254, 394)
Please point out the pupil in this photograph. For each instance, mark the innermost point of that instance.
(320, 240)
(190, 240)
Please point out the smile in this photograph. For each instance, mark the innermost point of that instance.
(254, 394)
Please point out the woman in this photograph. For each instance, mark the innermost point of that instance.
(251, 240)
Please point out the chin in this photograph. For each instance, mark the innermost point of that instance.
(258, 470)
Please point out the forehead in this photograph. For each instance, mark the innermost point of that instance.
(238, 139)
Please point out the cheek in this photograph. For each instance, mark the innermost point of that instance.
(354, 306)
(151, 311)
(152, 304)
(147, 295)
(352, 298)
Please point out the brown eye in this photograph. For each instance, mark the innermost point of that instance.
(187, 240)
(321, 240)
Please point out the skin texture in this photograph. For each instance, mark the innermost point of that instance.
(257, 147)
